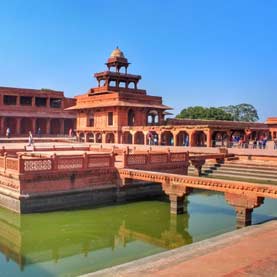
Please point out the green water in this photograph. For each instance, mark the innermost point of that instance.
(70, 243)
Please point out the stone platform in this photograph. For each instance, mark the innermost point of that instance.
(251, 251)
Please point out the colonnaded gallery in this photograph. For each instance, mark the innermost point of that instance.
(118, 111)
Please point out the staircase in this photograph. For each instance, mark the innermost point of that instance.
(248, 171)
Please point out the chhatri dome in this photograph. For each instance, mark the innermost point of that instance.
(117, 53)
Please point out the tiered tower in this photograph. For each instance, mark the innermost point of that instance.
(116, 103)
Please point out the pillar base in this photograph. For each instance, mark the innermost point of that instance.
(176, 204)
(243, 216)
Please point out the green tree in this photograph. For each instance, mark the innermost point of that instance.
(242, 112)
(199, 112)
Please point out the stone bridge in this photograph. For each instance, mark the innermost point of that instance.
(243, 196)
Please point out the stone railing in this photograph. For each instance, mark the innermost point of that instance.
(154, 159)
(31, 163)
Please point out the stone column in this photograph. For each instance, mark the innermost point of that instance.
(2, 131)
(209, 138)
(175, 139)
(48, 126)
(191, 139)
(18, 125)
(176, 204)
(197, 166)
(244, 205)
(33, 125)
(62, 126)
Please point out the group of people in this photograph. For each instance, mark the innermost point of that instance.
(255, 143)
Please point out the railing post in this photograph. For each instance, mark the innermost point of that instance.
(55, 161)
(5, 161)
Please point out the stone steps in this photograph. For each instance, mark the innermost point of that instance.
(251, 172)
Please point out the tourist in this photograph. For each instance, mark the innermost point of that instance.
(8, 132)
(70, 132)
(39, 132)
(30, 139)
(275, 143)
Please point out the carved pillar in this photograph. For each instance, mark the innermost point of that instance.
(209, 138)
(33, 125)
(18, 125)
(244, 205)
(176, 204)
(62, 126)
(191, 139)
(175, 139)
(2, 131)
(48, 125)
(197, 166)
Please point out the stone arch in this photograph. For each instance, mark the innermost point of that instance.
(81, 137)
(131, 85)
(122, 84)
(41, 124)
(220, 138)
(102, 83)
(98, 138)
(152, 117)
(112, 83)
(182, 138)
(127, 138)
(167, 138)
(54, 126)
(26, 125)
(199, 138)
(90, 137)
(131, 117)
(139, 138)
(109, 138)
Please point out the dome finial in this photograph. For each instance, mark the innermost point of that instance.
(117, 53)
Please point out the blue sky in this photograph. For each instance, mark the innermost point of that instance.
(209, 53)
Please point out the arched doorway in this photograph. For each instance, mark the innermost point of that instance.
(90, 137)
(54, 126)
(220, 138)
(98, 138)
(198, 139)
(152, 117)
(110, 138)
(139, 138)
(127, 138)
(26, 126)
(81, 137)
(182, 139)
(131, 118)
(41, 124)
(167, 138)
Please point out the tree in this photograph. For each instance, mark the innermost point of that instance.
(199, 112)
(242, 112)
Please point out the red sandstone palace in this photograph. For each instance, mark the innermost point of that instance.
(118, 111)
(24, 110)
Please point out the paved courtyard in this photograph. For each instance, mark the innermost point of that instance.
(247, 252)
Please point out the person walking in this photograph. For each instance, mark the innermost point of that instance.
(8, 132)
(30, 139)
(275, 143)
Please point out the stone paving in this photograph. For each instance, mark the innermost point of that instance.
(247, 252)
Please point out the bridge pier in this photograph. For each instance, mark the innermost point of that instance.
(176, 204)
(244, 205)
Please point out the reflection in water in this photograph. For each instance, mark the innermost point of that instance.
(81, 241)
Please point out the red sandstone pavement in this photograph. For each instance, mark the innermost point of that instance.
(250, 251)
